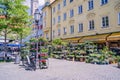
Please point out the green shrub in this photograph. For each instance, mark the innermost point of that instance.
(118, 58)
(44, 50)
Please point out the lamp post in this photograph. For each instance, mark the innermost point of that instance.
(37, 18)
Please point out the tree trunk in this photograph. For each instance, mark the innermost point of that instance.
(5, 43)
(21, 36)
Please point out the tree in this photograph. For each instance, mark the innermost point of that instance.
(16, 16)
(21, 31)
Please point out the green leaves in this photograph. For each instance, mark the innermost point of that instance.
(17, 17)
(57, 41)
(16, 12)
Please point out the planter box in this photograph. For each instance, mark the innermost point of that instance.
(70, 58)
(81, 58)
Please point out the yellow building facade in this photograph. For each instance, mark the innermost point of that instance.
(83, 20)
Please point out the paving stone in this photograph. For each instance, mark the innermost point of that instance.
(61, 70)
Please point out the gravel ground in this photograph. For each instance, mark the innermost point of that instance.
(60, 70)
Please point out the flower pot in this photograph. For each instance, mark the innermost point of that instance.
(71, 58)
(81, 59)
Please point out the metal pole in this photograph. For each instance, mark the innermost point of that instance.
(37, 17)
(5, 44)
(37, 63)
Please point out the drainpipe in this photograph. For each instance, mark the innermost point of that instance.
(51, 25)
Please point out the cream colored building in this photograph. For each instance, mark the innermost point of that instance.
(83, 20)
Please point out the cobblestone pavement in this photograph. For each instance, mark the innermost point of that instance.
(60, 70)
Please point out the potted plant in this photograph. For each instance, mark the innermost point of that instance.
(71, 57)
(118, 60)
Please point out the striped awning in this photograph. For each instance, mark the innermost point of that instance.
(95, 38)
(72, 40)
(114, 37)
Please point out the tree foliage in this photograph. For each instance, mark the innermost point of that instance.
(17, 32)
(16, 13)
(16, 16)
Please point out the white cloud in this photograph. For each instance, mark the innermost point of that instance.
(41, 2)
(27, 2)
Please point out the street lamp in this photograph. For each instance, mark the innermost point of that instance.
(37, 18)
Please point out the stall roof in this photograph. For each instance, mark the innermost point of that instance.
(15, 45)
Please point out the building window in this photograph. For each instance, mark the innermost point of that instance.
(119, 18)
(104, 2)
(54, 21)
(80, 27)
(44, 14)
(64, 2)
(105, 22)
(71, 1)
(71, 13)
(80, 9)
(71, 29)
(59, 19)
(53, 9)
(53, 33)
(47, 36)
(65, 31)
(44, 24)
(58, 31)
(91, 25)
(58, 6)
(90, 5)
(64, 16)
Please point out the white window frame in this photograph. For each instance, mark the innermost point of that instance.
(53, 33)
(54, 21)
(59, 31)
(65, 31)
(59, 19)
(80, 27)
(71, 1)
(91, 25)
(72, 29)
(118, 18)
(90, 6)
(44, 24)
(64, 3)
(71, 13)
(47, 36)
(105, 26)
(64, 16)
(80, 9)
(58, 6)
(53, 9)
(104, 2)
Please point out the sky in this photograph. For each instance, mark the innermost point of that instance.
(41, 2)
(27, 2)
